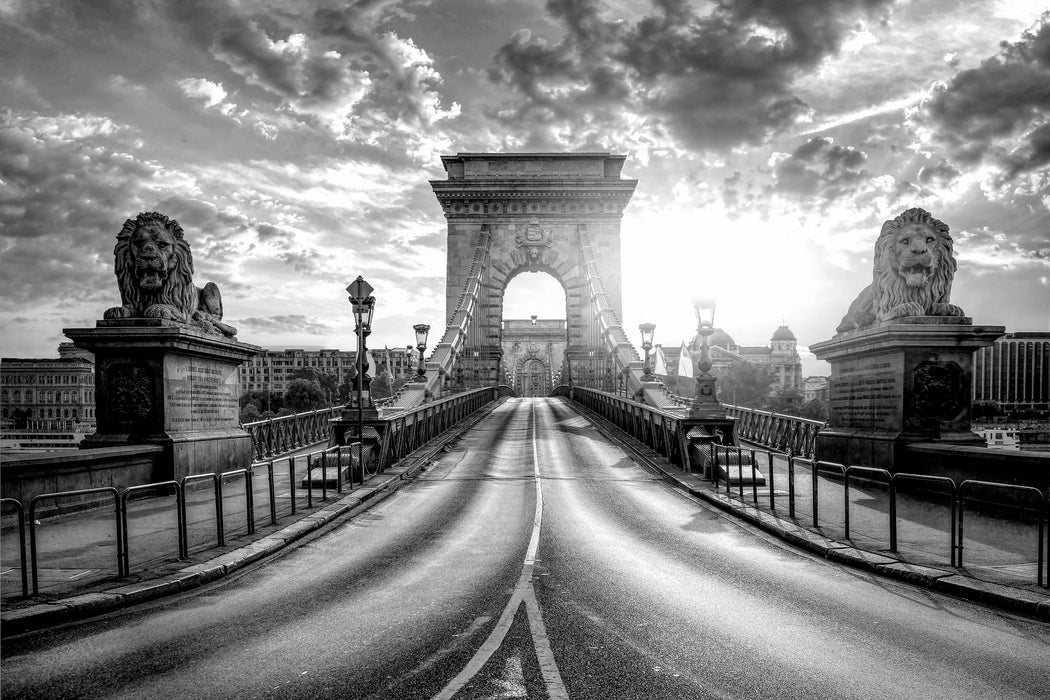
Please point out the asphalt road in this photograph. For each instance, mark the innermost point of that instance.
(535, 559)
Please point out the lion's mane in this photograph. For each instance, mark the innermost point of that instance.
(178, 290)
(889, 296)
(890, 289)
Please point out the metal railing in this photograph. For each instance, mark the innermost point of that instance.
(732, 458)
(774, 430)
(402, 435)
(274, 436)
(659, 429)
(409, 430)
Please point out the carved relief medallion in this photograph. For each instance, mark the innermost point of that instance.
(130, 391)
(534, 238)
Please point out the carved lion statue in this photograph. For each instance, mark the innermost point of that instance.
(154, 271)
(914, 268)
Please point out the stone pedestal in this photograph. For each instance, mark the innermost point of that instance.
(899, 382)
(159, 382)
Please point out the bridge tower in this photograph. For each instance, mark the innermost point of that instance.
(510, 213)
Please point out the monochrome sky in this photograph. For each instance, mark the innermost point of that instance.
(293, 140)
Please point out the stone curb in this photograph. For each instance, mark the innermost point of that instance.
(43, 615)
(993, 595)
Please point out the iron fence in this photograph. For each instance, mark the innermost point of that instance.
(213, 516)
(775, 431)
(275, 436)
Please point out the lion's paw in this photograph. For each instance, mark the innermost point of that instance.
(117, 312)
(908, 308)
(946, 310)
(163, 311)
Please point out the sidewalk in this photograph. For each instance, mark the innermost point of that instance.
(1026, 599)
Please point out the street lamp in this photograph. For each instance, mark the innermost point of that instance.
(647, 345)
(421, 330)
(704, 402)
(363, 304)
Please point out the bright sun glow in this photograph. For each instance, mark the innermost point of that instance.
(534, 294)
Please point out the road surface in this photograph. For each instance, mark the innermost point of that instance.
(535, 559)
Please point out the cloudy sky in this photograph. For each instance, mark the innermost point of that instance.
(293, 140)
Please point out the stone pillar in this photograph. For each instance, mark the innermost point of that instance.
(164, 383)
(898, 382)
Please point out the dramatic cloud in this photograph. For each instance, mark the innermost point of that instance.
(1000, 111)
(715, 80)
(819, 169)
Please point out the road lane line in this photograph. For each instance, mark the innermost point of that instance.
(522, 591)
(540, 641)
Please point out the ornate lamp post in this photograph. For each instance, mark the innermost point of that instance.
(647, 345)
(421, 330)
(363, 304)
(704, 402)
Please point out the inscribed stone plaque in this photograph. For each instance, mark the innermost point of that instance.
(867, 393)
(199, 394)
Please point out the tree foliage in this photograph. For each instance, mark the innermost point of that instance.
(745, 384)
(382, 385)
(328, 382)
(262, 400)
(303, 395)
(250, 413)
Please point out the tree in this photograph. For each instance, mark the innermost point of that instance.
(303, 395)
(328, 383)
(815, 409)
(250, 413)
(381, 387)
(263, 400)
(787, 400)
(745, 384)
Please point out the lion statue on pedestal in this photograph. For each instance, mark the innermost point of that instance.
(154, 271)
(914, 268)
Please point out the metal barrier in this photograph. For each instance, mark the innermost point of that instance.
(23, 564)
(249, 497)
(179, 514)
(952, 506)
(658, 429)
(775, 431)
(409, 430)
(68, 494)
(275, 436)
(1030, 491)
(217, 491)
(893, 501)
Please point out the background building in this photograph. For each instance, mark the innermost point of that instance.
(815, 388)
(780, 356)
(1014, 373)
(533, 353)
(272, 370)
(48, 402)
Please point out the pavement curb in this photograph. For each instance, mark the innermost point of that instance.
(78, 607)
(951, 582)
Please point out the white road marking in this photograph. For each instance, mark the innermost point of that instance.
(523, 591)
(80, 575)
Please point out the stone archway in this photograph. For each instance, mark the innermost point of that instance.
(534, 378)
(533, 212)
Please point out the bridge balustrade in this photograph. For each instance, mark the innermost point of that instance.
(776, 431)
(658, 428)
(274, 436)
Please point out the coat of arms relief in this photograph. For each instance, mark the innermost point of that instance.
(534, 239)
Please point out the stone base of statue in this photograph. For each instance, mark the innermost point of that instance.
(164, 383)
(899, 382)
(344, 429)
